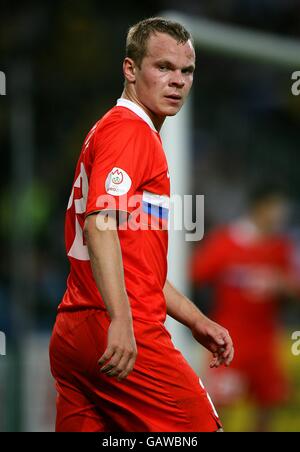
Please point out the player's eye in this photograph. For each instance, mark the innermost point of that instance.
(187, 71)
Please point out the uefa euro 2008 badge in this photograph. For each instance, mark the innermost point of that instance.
(117, 182)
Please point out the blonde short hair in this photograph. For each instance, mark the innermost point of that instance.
(138, 36)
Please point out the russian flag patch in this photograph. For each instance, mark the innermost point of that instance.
(155, 210)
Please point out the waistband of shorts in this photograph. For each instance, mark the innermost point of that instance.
(79, 313)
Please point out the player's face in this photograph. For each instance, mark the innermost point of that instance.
(165, 77)
(274, 214)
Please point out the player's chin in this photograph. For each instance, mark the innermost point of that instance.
(171, 110)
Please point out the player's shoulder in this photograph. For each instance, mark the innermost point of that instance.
(223, 237)
(284, 243)
(220, 232)
(124, 121)
(217, 237)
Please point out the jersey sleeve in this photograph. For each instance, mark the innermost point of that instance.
(208, 259)
(290, 266)
(122, 163)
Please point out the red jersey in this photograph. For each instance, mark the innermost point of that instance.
(244, 271)
(122, 167)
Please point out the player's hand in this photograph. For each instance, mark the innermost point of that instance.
(121, 351)
(216, 339)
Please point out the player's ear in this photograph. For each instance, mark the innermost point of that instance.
(129, 69)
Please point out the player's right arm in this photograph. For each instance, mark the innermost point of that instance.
(100, 232)
(120, 148)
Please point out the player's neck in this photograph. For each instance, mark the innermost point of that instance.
(157, 120)
(262, 227)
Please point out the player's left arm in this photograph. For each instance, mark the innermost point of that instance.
(286, 279)
(208, 333)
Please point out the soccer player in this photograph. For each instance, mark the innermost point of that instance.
(115, 366)
(250, 266)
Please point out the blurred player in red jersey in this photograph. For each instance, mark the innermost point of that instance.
(115, 366)
(249, 265)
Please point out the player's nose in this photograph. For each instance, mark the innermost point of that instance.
(177, 79)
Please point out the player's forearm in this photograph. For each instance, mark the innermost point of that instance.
(180, 307)
(107, 266)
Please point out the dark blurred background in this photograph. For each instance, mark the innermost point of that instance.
(63, 66)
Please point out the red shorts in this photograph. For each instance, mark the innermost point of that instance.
(161, 394)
